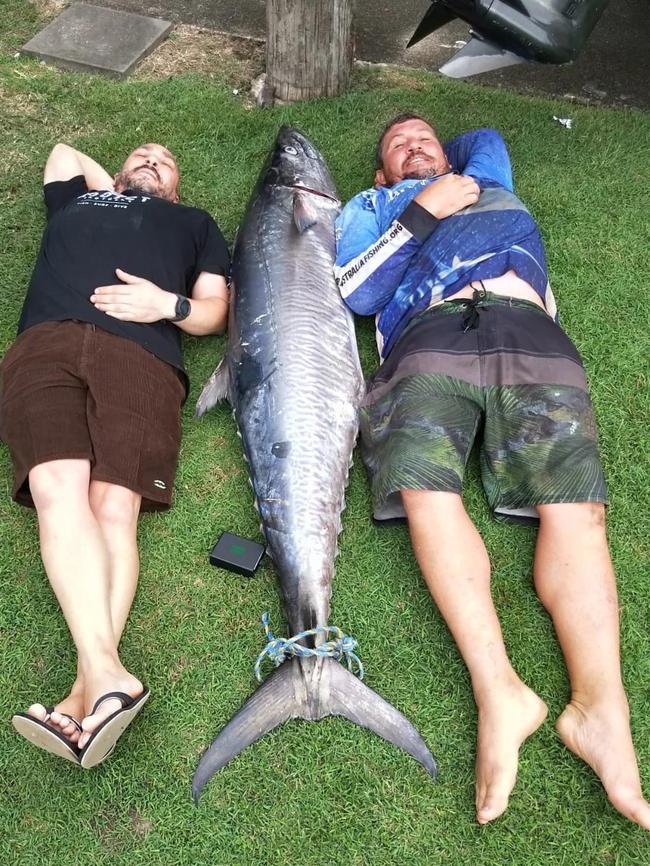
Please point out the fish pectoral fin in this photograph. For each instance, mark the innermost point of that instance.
(304, 213)
(215, 389)
(270, 704)
(350, 698)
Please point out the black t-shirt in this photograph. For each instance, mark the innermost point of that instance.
(91, 233)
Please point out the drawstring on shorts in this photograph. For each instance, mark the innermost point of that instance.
(473, 306)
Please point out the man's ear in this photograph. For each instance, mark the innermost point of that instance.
(380, 178)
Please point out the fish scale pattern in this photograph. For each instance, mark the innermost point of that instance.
(305, 410)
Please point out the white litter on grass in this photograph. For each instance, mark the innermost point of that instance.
(235, 92)
(564, 121)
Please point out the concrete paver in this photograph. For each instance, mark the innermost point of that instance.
(96, 39)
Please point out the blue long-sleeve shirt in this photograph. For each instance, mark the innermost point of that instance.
(395, 259)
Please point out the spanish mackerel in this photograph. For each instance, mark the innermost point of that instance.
(293, 378)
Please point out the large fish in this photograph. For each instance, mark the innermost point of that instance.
(293, 378)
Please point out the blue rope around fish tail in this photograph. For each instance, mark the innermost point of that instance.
(338, 646)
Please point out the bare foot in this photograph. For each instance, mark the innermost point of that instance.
(505, 720)
(60, 719)
(98, 684)
(600, 735)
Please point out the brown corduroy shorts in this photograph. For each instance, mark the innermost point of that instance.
(70, 390)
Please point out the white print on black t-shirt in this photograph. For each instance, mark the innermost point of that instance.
(110, 199)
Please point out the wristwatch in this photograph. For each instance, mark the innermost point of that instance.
(183, 308)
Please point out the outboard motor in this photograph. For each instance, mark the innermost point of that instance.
(505, 32)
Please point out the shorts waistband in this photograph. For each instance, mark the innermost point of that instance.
(461, 307)
(490, 299)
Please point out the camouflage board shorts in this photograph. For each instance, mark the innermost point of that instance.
(497, 367)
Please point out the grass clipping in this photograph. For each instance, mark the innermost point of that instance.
(49, 8)
(198, 50)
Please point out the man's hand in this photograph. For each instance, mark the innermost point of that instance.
(134, 300)
(448, 195)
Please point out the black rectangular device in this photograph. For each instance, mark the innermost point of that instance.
(237, 554)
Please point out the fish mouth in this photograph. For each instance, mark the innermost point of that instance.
(316, 192)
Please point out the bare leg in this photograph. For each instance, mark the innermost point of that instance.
(456, 568)
(76, 560)
(575, 582)
(116, 510)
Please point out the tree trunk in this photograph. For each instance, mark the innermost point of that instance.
(308, 48)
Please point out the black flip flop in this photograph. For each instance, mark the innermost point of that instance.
(42, 735)
(103, 740)
(77, 724)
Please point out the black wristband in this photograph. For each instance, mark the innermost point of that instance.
(418, 221)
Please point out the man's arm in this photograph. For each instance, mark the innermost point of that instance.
(369, 265)
(64, 162)
(482, 154)
(135, 299)
(209, 306)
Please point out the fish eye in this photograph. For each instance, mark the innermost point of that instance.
(288, 148)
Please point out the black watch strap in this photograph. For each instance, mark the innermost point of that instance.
(183, 308)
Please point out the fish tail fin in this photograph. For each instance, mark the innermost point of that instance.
(310, 689)
(350, 698)
(268, 706)
(215, 389)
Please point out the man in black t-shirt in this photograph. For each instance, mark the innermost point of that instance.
(90, 403)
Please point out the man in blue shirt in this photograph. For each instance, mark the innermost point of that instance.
(452, 265)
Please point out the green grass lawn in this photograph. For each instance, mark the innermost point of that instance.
(326, 793)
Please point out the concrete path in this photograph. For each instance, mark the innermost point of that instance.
(614, 68)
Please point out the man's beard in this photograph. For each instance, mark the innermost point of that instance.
(138, 182)
(423, 173)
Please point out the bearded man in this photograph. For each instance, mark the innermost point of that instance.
(452, 265)
(92, 390)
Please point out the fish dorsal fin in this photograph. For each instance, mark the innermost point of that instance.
(304, 213)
